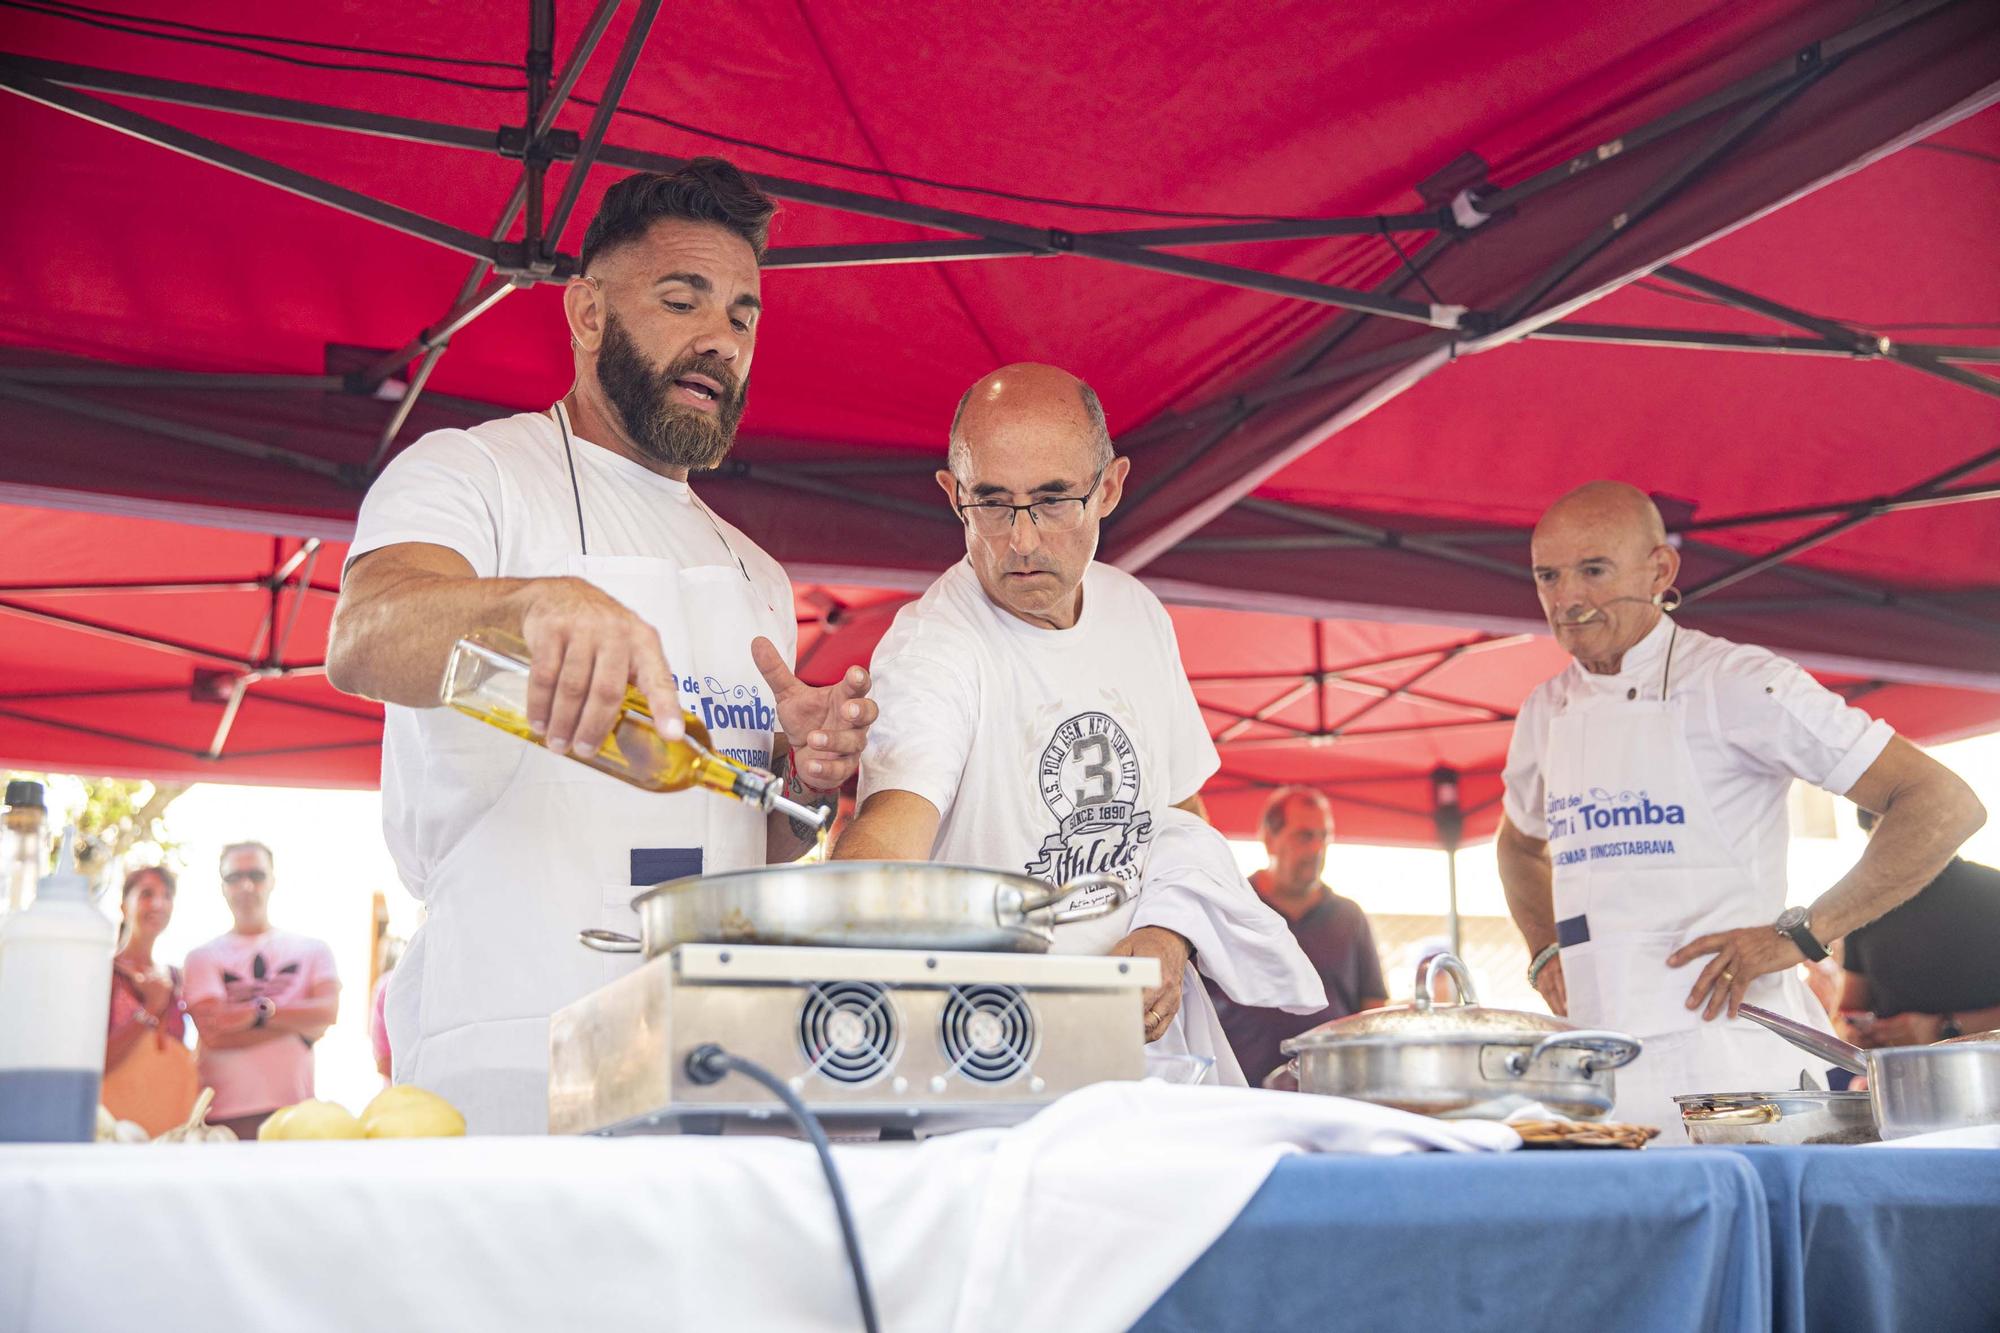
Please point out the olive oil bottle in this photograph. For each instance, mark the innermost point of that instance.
(487, 678)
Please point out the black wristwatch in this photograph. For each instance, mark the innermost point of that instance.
(1794, 926)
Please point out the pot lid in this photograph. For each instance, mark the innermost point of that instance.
(1423, 1018)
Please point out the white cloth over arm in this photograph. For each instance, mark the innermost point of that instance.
(1193, 888)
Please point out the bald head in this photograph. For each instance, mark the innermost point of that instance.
(1031, 476)
(1602, 564)
(1028, 400)
(1613, 508)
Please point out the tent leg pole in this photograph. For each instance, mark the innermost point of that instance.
(1451, 914)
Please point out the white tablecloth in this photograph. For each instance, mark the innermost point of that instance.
(1077, 1220)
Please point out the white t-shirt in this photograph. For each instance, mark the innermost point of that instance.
(1049, 752)
(1757, 721)
(500, 495)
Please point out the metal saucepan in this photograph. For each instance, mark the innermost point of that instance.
(1459, 1059)
(1801, 1116)
(1913, 1089)
(862, 905)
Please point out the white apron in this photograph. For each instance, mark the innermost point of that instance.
(1640, 869)
(565, 848)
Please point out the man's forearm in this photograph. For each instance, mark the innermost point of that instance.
(390, 644)
(1918, 834)
(311, 1018)
(892, 826)
(237, 1040)
(1528, 881)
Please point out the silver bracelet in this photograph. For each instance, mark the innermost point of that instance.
(1542, 960)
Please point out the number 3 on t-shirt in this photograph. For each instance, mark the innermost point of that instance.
(1097, 771)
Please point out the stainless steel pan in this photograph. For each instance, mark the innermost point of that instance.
(1913, 1089)
(1806, 1115)
(863, 905)
(1458, 1059)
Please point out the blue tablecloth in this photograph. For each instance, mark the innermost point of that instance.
(1884, 1240)
(1668, 1241)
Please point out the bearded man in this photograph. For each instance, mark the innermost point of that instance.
(577, 530)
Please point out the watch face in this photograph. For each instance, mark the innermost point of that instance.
(1791, 918)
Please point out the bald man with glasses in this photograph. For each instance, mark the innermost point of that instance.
(1042, 722)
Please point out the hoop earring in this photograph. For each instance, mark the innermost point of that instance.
(1669, 601)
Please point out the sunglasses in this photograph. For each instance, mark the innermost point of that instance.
(254, 876)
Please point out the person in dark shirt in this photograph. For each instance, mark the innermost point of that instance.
(1333, 931)
(1930, 969)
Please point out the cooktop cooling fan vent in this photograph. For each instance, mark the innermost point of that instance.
(988, 1032)
(848, 1031)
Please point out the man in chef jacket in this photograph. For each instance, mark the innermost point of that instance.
(576, 529)
(1644, 840)
(1037, 718)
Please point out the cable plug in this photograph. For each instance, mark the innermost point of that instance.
(707, 1063)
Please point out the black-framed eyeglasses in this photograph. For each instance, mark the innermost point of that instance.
(254, 876)
(1060, 513)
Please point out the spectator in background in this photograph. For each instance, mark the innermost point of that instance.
(391, 953)
(260, 998)
(1297, 827)
(149, 1074)
(1925, 971)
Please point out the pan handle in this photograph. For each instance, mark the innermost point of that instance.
(1762, 1114)
(1285, 1078)
(608, 941)
(1121, 893)
(1623, 1050)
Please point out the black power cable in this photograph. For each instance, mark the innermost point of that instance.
(709, 1063)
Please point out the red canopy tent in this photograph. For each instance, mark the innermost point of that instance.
(1448, 277)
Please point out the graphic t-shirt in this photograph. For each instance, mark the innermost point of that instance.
(1046, 752)
(238, 968)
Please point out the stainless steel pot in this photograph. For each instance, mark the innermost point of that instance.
(862, 905)
(1913, 1089)
(1460, 1059)
(1802, 1116)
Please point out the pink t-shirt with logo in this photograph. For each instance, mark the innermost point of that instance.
(239, 968)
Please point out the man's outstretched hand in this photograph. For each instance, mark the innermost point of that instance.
(827, 725)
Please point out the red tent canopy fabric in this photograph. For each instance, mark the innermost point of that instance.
(1313, 490)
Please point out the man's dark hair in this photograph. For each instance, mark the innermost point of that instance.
(707, 189)
(270, 857)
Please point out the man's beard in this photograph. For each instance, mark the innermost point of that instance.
(661, 429)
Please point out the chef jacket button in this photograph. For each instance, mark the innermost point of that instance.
(1632, 693)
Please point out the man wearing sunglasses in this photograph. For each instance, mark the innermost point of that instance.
(260, 998)
(1036, 718)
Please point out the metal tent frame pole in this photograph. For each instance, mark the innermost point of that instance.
(221, 675)
(1862, 343)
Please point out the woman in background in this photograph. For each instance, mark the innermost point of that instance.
(149, 1073)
